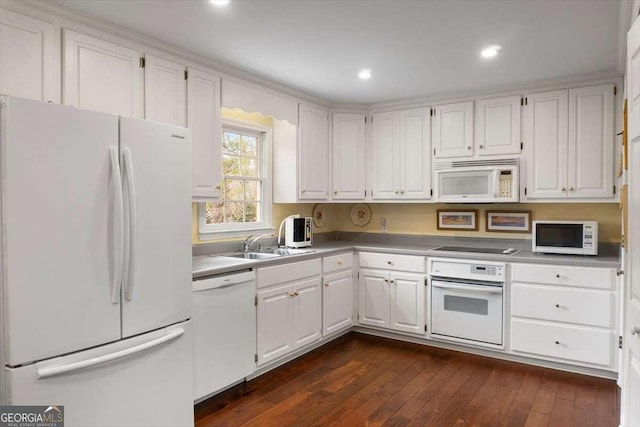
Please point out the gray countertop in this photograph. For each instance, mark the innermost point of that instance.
(213, 264)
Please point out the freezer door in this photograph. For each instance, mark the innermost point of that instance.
(141, 381)
(61, 228)
(156, 174)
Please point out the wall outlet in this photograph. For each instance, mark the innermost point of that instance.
(383, 225)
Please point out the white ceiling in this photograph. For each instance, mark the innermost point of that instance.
(415, 48)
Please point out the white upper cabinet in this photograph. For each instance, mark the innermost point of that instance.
(453, 130)
(165, 91)
(102, 76)
(545, 143)
(205, 121)
(348, 145)
(497, 126)
(385, 137)
(401, 155)
(313, 155)
(415, 154)
(591, 142)
(568, 137)
(29, 57)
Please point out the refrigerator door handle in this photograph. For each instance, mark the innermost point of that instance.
(48, 372)
(131, 190)
(118, 232)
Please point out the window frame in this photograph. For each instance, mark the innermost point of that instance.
(241, 230)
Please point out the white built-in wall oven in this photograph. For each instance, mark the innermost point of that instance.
(467, 301)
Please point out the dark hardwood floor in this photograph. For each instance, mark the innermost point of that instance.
(363, 380)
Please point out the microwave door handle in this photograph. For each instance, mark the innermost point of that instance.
(479, 289)
(496, 183)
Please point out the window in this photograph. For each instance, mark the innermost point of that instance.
(245, 197)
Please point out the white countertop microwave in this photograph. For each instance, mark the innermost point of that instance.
(565, 237)
(487, 181)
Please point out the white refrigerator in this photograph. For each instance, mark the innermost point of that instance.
(96, 265)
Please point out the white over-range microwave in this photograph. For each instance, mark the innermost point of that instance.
(565, 237)
(486, 181)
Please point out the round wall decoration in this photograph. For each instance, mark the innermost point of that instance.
(319, 214)
(360, 214)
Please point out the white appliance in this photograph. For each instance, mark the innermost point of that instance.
(565, 237)
(483, 181)
(224, 331)
(467, 301)
(96, 265)
(298, 232)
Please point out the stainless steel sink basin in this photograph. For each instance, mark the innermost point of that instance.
(253, 255)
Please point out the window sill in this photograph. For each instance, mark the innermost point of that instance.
(233, 234)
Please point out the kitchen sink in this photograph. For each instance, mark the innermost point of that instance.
(268, 253)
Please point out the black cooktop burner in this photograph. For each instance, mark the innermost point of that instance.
(472, 250)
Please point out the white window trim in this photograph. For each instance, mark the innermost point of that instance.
(236, 230)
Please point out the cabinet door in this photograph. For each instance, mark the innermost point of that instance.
(313, 156)
(275, 315)
(415, 154)
(307, 312)
(205, 121)
(374, 298)
(498, 126)
(165, 91)
(591, 142)
(337, 302)
(453, 130)
(386, 156)
(348, 156)
(101, 76)
(29, 57)
(545, 144)
(407, 302)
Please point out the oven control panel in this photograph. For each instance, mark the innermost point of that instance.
(467, 269)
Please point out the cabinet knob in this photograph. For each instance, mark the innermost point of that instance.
(335, 192)
(292, 294)
(635, 330)
(296, 293)
(392, 281)
(326, 285)
(218, 187)
(564, 189)
(397, 191)
(572, 189)
(468, 147)
(339, 262)
(401, 191)
(386, 280)
(481, 146)
(557, 305)
(557, 276)
(557, 342)
(389, 262)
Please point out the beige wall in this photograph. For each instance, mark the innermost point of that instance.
(421, 218)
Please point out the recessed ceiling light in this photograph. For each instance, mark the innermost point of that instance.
(490, 51)
(219, 3)
(364, 74)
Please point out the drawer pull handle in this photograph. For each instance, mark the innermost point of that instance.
(386, 280)
(557, 276)
(339, 262)
(635, 330)
(557, 342)
(389, 262)
(392, 281)
(557, 305)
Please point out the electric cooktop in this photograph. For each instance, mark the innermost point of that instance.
(500, 251)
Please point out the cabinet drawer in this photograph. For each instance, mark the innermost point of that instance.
(592, 308)
(586, 277)
(268, 276)
(393, 262)
(571, 343)
(337, 262)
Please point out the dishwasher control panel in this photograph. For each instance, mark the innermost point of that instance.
(467, 269)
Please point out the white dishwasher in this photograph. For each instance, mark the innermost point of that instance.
(224, 331)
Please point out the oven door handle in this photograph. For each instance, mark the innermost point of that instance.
(471, 288)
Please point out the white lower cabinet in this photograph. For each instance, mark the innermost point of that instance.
(391, 291)
(337, 302)
(289, 312)
(565, 314)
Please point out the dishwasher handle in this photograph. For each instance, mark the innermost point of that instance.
(225, 281)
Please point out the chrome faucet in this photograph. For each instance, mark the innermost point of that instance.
(248, 242)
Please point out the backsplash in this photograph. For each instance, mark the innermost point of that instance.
(420, 218)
